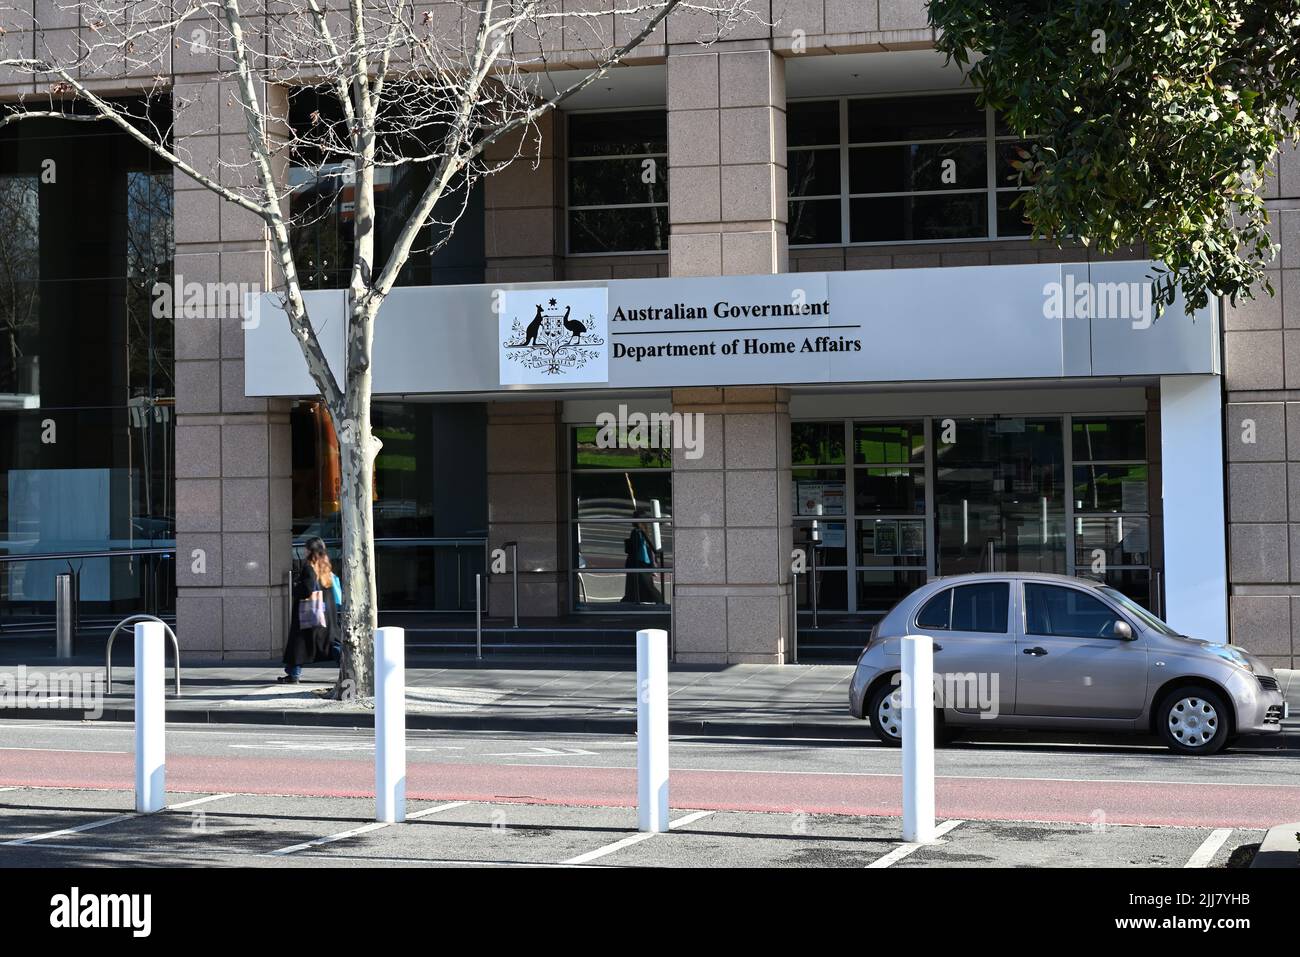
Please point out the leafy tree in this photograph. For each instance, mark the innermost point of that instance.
(1154, 121)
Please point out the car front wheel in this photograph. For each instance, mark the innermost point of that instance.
(885, 710)
(1194, 720)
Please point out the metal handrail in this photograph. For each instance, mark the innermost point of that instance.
(176, 648)
(66, 556)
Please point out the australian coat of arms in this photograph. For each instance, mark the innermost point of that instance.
(555, 339)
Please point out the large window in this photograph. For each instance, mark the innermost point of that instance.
(1112, 519)
(898, 501)
(617, 182)
(448, 250)
(902, 169)
(622, 525)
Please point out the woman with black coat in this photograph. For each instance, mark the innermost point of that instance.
(311, 626)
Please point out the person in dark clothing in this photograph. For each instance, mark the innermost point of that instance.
(640, 587)
(311, 627)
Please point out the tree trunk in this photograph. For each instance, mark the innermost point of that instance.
(357, 451)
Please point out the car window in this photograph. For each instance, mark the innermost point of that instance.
(1061, 612)
(981, 607)
(937, 612)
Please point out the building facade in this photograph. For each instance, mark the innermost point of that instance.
(945, 418)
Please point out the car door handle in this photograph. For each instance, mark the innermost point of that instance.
(938, 647)
(1036, 651)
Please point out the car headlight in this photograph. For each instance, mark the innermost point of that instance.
(1234, 656)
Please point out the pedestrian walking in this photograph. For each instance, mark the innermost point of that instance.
(311, 628)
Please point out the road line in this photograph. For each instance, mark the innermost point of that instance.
(434, 810)
(68, 830)
(10, 789)
(202, 800)
(67, 750)
(1209, 847)
(629, 841)
(364, 829)
(900, 852)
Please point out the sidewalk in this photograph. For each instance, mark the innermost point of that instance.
(809, 701)
(765, 700)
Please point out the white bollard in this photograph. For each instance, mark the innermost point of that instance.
(918, 739)
(652, 730)
(390, 725)
(150, 718)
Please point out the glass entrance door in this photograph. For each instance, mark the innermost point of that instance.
(999, 494)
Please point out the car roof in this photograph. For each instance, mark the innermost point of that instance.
(1025, 576)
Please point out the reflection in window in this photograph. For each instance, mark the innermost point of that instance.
(19, 291)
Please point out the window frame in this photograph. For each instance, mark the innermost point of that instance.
(568, 159)
(991, 188)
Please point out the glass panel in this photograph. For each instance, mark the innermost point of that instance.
(981, 607)
(622, 495)
(612, 590)
(817, 443)
(1001, 480)
(879, 591)
(602, 545)
(149, 262)
(618, 182)
(914, 118)
(420, 576)
(1110, 439)
(1060, 612)
(1135, 583)
(889, 443)
(813, 124)
(1011, 218)
(833, 552)
(832, 591)
(638, 229)
(818, 492)
(901, 218)
(1114, 540)
(814, 222)
(618, 134)
(587, 454)
(1110, 488)
(814, 172)
(937, 612)
(888, 541)
(889, 491)
(930, 166)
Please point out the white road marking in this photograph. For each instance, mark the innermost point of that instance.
(1209, 847)
(67, 750)
(202, 800)
(633, 839)
(68, 830)
(900, 852)
(9, 789)
(540, 752)
(364, 829)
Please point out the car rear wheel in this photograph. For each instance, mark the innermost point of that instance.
(1194, 720)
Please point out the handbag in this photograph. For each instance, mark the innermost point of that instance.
(311, 612)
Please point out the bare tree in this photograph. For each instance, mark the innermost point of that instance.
(450, 90)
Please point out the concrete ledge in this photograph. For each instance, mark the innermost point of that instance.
(1280, 847)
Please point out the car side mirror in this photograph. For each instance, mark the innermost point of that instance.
(1123, 631)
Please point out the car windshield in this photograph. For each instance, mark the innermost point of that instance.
(1137, 611)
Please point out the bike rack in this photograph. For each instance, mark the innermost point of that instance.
(176, 648)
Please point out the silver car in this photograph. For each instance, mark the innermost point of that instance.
(1024, 650)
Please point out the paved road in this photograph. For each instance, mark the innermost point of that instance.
(1128, 784)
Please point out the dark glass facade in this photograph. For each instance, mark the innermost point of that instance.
(87, 383)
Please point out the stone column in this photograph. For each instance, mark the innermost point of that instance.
(732, 526)
(525, 477)
(726, 162)
(233, 469)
